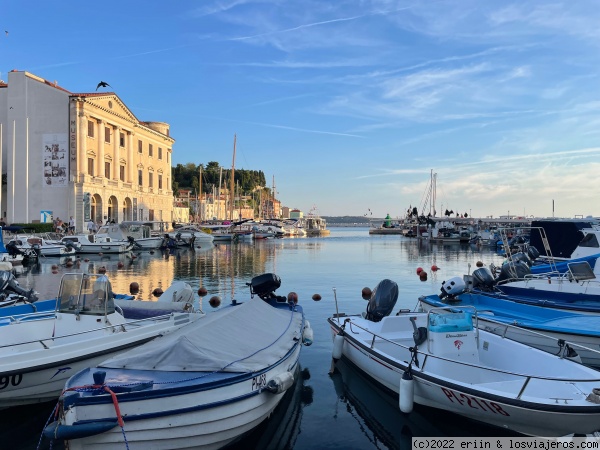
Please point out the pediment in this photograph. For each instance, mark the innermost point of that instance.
(112, 105)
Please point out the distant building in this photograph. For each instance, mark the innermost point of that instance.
(84, 155)
(296, 214)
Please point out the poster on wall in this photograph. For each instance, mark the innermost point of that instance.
(56, 160)
(45, 216)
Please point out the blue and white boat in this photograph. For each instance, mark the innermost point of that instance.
(556, 331)
(203, 387)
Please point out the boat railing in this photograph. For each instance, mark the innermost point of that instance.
(120, 327)
(427, 356)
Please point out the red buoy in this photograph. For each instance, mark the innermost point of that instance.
(479, 264)
(366, 293)
(215, 301)
(202, 291)
(419, 270)
(134, 288)
(157, 292)
(292, 297)
(316, 297)
(434, 268)
(423, 275)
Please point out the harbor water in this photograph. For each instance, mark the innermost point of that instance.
(339, 411)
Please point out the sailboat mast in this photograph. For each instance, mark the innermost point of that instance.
(200, 194)
(231, 182)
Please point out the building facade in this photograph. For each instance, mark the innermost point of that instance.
(82, 155)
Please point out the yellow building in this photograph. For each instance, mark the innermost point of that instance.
(84, 155)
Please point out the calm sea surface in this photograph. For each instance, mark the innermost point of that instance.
(342, 411)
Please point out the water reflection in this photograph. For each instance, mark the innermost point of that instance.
(376, 412)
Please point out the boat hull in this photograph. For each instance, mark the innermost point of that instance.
(190, 417)
(37, 369)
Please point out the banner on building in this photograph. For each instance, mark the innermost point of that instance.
(46, 217)
(87, 207)
(56, 160)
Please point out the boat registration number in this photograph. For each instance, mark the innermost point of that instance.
(469, 401)
(12, 380)
(259, 381)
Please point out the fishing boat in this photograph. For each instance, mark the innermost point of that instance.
(40, 350)
(442, 359)
(139, 231)
(568, 334)
(191, 236)
(202, 387)
(41, 245)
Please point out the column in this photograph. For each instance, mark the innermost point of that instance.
(130, 157)
(117, 143)
(81, 140)
(100, 156)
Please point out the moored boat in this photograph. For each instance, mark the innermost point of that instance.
(443, 360)
(176, 393)
(40, 350)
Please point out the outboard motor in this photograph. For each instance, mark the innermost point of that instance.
(452, 287)
(520, 256)
(265, 286)
(513, 269)
(12, 249)
(483, 279)
(8, 284)
(533, 253)
(382, 301)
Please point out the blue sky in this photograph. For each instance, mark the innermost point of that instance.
(349, 105)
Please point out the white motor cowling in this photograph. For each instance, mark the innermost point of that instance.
(179, 291)
(453, 286)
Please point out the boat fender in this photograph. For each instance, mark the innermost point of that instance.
(338, 346)
(407, 391)
(280, 383)
(307, 335)
(594, 396)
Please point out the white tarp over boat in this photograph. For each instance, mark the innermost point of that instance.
(243, 338)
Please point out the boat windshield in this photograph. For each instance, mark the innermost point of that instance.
(85, 294)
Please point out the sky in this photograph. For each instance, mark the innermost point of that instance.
(349, 106)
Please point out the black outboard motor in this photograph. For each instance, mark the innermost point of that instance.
(9, 284)
(383, 299)
(533, 253)
(12, 249)
(513, 269)
(265, 286)
(520, 256)
(483, 279)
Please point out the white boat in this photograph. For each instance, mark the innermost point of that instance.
(443, 360)
(191, 236)
(98, 243)
(203, 387)
(124, 231)
(41, 245)
(39, 351)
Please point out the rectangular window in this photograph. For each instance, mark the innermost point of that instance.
(168, 156)
(141, 214)
(122, 173)
(150, 214)
(91, 166)
(107, 134)
(159, 181)
(140, 177)
(106, 169)
(91, 126)
(149, 149)
(150, 179)
(159, 153)
(139, 146)
(122, 139)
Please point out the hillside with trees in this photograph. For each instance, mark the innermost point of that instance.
(185, 176)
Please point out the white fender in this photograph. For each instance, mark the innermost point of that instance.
(308, 334)
(338, 346)
(280, 383)
(407, 392)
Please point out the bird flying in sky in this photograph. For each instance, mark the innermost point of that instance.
(102, 84)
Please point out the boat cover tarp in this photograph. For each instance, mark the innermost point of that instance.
(563, 236)
(243, 338)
